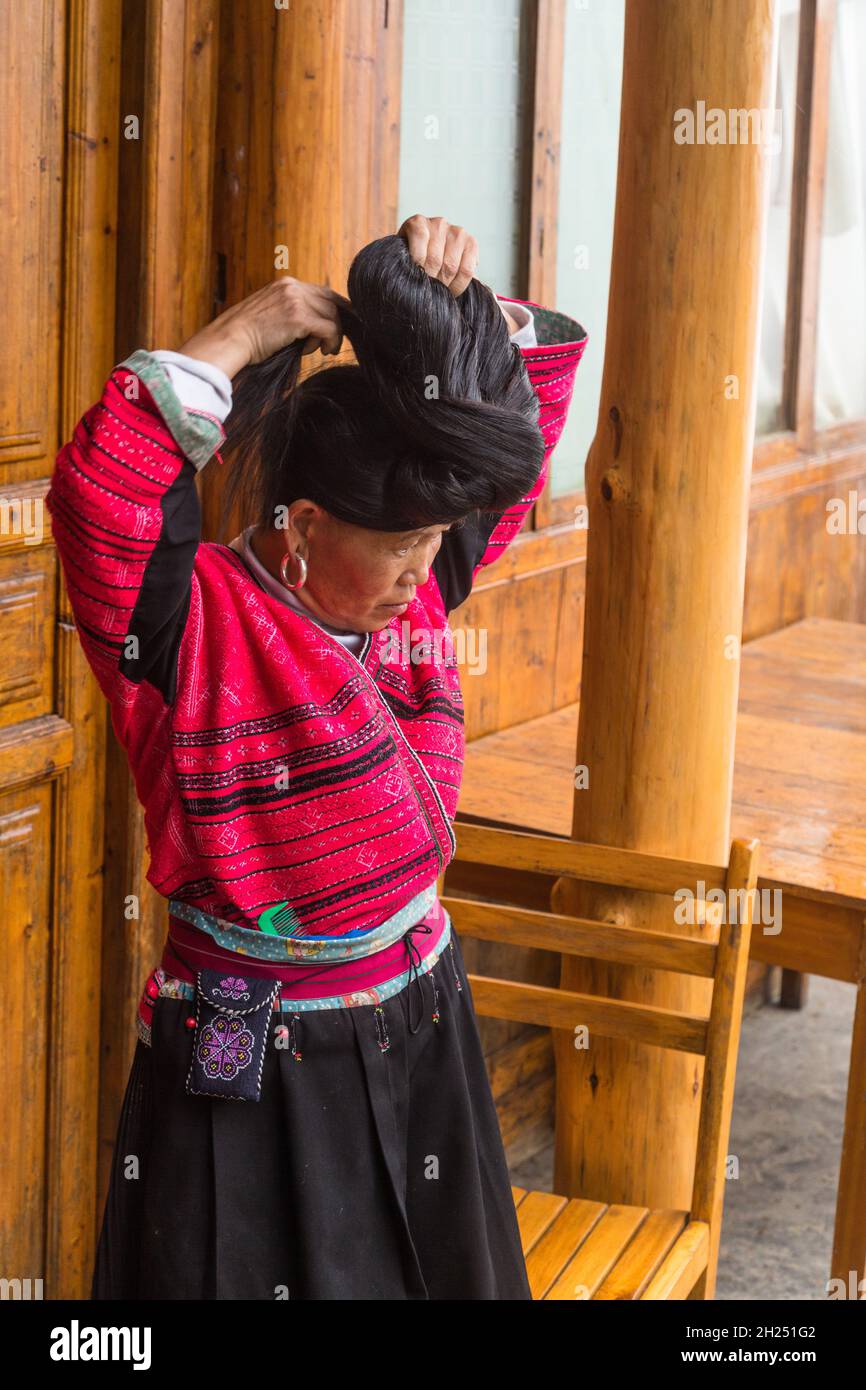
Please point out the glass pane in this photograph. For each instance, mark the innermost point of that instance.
(840, 378)
(774, 293)
(462, 140)
(587, 196)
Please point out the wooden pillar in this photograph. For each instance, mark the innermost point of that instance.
(87, 348)
(165, 291)
(667, 488)
(307, 152)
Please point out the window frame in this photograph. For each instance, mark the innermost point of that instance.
(797, 443)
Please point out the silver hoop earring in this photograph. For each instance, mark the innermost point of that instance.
(283, 566)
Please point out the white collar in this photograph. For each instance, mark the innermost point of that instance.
(241, 544)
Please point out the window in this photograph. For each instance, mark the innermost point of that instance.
(463, 142)
(587, 198)
(476, 99)
(840, 378)
(774, 291)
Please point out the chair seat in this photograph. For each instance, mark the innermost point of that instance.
(580, 1249)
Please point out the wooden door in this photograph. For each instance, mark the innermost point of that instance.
(58, 194)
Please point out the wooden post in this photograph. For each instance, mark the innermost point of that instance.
(164, 293)
(667, 488)
(307, 150)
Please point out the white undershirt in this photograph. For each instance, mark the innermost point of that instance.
(353, 640)
(205, 388)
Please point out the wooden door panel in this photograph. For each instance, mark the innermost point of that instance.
(31, 108)
(28, 586)
(59, 117)
(31, 734)
(25, 968)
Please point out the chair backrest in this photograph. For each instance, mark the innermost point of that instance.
(715, 1037)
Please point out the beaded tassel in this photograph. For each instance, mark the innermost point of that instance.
(296, 1052)
(282, 1031)
(454, 966)
(382, 1035)
(435, 995)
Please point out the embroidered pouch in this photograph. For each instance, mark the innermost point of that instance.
(231, 1033)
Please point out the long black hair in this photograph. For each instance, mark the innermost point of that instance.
(437, 420)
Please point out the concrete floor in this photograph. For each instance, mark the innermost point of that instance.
(786, 1133)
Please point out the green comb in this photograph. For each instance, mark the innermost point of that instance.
(280, 920)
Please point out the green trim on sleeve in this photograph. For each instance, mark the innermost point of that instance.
(553, 327)
(196, 435)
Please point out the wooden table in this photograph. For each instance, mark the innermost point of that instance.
(799, 787)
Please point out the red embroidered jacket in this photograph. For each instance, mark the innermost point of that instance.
(272, 764)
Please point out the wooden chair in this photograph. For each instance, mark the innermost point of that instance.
(613, 1251)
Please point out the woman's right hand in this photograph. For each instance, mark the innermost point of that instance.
(274, 316)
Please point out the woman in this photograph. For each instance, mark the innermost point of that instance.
(299, 767)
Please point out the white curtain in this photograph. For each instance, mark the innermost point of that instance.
(774, 287)
(840, 385)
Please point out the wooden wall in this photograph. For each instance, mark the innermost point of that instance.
(531, 602)
(257, 127)
(58, 102)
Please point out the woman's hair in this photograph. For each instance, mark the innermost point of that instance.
(437, 420)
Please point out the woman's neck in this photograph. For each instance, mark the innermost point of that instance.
(258, 544)
(269, 547)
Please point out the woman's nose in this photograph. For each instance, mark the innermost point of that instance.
(419, 575)
(416, 575)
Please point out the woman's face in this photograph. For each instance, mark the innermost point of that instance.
(357, 579)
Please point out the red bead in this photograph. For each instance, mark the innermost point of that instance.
(190, 1023)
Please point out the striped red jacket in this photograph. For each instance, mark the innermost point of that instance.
(273, 765)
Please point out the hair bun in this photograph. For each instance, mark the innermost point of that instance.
(438, 418)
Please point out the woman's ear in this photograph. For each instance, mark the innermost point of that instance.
(301, 515)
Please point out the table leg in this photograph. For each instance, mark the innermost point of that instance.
(795, 989)
(849, 1241)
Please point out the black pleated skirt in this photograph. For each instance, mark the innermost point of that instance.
(371, 1168)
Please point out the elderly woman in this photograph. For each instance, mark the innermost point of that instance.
(299, 770)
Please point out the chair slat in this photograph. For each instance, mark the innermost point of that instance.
(723, 1041)
(683, 1266)
(597, 1254)
(560, 1242)
(553, 854)
(580, 936)
(535, 1213)
(642, 1259)
(609, 1018)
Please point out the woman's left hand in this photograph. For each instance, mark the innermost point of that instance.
(447, 252)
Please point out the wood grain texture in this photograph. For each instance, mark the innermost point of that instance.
(795, 569)
(817, 22)
(310, 176)
(667, 491)
(799, 778)
(31, 102)
(164, 292)
(88, 328)
(58, 98)
(584, 1248)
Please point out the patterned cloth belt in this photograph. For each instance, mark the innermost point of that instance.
(287, 949)
(171, 987)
